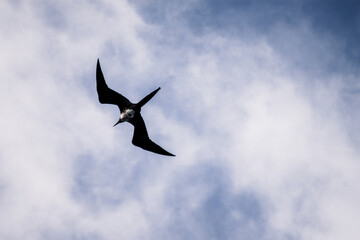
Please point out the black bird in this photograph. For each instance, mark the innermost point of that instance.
(129, 112)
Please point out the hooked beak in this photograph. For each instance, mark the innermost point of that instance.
(117, 122)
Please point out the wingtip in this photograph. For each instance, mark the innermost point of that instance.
(169, 154)
(98, 66)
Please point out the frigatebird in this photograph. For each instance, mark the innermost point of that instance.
(129, 112)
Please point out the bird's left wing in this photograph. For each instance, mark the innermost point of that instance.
(106, 94)
(141, 138)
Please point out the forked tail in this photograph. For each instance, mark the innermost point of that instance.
(147, 98)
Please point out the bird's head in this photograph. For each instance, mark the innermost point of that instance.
(126, 116)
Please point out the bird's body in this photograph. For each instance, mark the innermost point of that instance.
(127, 115)
(129, 112)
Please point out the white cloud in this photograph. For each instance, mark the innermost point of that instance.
(262, 152)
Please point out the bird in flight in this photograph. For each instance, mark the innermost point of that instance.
(129, 112)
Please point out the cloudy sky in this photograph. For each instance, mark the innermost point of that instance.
(259, 101)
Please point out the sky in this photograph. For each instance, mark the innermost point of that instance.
(259, 102)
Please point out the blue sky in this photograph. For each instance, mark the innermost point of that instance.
(258, 101)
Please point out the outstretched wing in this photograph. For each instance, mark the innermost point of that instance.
(141, 138)
(106, 94)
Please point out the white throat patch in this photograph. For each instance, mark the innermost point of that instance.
(127, 115)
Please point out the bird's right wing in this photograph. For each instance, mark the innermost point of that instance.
(141, 138)
(106, 94)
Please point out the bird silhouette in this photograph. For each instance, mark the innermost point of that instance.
(129, 112)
